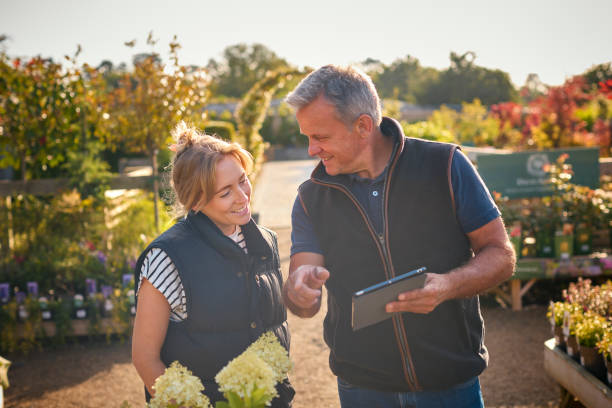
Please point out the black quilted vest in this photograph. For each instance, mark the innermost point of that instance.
(409, 352)
(232, 297)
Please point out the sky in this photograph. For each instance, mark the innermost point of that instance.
(554, 38)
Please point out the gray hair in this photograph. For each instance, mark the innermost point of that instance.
(348, 89)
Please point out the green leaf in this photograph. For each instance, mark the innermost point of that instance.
(234, 400)
(259, 398)
(222, 404)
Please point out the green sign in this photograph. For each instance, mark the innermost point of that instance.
(518, 175)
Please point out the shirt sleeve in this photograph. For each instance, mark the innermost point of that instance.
(473, 202)
(159, 269)
(303, 238)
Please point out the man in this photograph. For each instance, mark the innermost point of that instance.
(379, 205)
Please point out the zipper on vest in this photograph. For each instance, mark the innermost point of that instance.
(397, 318)
(379, 239)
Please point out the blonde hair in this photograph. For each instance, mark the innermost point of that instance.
(194, 163)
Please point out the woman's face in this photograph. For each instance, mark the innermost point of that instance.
(229, 205)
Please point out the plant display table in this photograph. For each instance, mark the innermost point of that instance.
(574, 380)
(529, 270)
(80, 327)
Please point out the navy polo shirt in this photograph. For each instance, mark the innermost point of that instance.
(473, 202)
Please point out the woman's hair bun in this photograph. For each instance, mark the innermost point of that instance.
(184, 135)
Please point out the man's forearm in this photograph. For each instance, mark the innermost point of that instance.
(491, 266)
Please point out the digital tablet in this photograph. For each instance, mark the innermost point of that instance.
(369, 303)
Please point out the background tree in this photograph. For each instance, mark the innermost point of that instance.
(240, 67)
(533, 88)
(252, 109)
(39, 115)
(465, 81)
(552, 117)
(597, 74)
(405, 79)
(150, 101)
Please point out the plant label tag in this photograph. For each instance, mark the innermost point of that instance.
(108, 305)
(566, 323)
(552, 314)
(582, 360)
(46, 315)
(23, 313)
(81, 314)
(570, 350)
(133, 310)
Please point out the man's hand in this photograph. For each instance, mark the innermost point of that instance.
(304, 285)
(436, 290)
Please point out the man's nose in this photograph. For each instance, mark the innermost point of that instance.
(313, 149)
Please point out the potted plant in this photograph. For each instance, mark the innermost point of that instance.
(604, 346)
(545, 220)
(589, 331)
(570, 320)
(556, 311)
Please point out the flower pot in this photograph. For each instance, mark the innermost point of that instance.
(608, 364)
(582, 240)
(572, 347)
(593, 361)
(559, 338)
(545, 243)
(564, 246)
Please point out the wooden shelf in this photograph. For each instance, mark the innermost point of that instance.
(529, 270)
(573, 378)
(80, 327)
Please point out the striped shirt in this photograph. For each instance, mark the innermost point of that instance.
(160, 271)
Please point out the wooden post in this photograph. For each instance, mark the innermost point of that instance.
(9, 222)
(515, 293)
(155, 189)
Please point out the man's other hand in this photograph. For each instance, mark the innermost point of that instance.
(422, 300)
(304, 285)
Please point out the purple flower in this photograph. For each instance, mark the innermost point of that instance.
(106, 291)
(20, 297)
(33, 289)
(5, 291)
(101, 257)
(126, 279)
(90, 285)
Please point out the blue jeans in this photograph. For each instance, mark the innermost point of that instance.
(466, 395)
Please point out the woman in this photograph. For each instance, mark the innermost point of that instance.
(211, 284)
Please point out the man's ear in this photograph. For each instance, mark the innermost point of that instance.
(364, 125)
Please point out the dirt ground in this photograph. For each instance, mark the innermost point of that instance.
(89, 374)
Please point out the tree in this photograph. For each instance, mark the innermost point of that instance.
(511, 124)
(553, 118)
(598, 74)
(404, 79)
(533, 88)
(241, 67)
(252, 109)
(150, 101)
(39, 115)
(465, 81)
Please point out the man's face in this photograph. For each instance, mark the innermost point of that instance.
(338, 146)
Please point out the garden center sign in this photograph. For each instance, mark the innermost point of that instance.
(522, 174)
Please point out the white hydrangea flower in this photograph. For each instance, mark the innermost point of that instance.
(178, 386)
